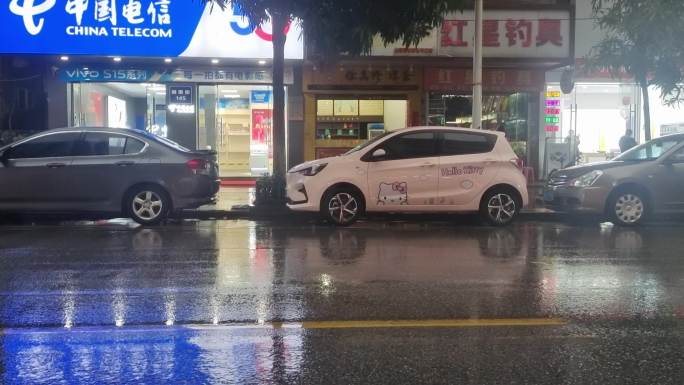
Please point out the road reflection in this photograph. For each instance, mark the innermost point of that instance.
(125, 303)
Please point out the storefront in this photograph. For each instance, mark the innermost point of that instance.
(348, 104)
(510, 103)
(196, 75)
(431, 83)
(599, 109)
(228, 110)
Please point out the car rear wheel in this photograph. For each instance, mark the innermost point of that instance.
(627, 208)
(148, 205)
(499, 207)
(342, 207)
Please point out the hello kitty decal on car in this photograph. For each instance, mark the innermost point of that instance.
(393, 193)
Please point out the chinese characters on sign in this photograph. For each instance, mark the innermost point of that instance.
(379, 75)
(105, 10)
(180, 94)
(105, 17)
(229, 75)
(506, 34)
(461, 80)
(235, 75)
(518, 33)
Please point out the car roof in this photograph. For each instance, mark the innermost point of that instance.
(92, 129)
(448, 128)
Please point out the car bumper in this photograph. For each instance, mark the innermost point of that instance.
(590, 200)
(197, 192)
(299, 197)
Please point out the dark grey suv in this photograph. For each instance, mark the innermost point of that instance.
(105, 170)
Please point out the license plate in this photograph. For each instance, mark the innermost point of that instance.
(548, 196)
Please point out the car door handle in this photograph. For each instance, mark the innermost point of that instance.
(125, 163)
(428, 164)
(56, 165)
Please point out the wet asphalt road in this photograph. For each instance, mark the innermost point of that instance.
(238, 302)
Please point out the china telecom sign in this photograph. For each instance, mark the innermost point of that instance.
(136, 28)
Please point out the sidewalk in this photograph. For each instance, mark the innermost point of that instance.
(237, 203)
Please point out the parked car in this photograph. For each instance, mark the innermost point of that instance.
(421, 169)
(105, 170)
(645, 180)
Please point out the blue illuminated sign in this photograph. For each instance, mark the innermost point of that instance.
(261, 96)
(106, 27)
(145, 28)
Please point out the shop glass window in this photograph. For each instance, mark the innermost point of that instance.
(502, 112)
(49, 146)
(417, 145)
(103, 144)
(461, 143)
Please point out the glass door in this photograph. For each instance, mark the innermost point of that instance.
(207, 137)
(235, 121)
(155, 115)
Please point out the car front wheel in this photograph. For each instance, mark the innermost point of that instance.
(627, 208)
(342, 207)
(499, 207)
(147, 205)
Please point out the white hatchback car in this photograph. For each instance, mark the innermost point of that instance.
(419, 169)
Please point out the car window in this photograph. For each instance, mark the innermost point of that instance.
(102, 144)
(133, 146)
(408, 146)
(651, 150)
(678, 156)
(164, 141)
(462, 143)
(48, 146)
(368, 143)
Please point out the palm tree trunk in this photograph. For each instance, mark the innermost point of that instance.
(643, 83)
(279, 20)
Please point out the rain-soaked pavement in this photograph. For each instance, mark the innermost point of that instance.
(411, 302)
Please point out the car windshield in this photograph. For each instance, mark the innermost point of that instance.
(368, 143)
(650, 151)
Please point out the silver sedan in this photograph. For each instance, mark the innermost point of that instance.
(105, 170)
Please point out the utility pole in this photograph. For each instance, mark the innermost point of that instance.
(477, 67)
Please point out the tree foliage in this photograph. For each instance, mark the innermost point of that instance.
(644, 39)
(349, 26)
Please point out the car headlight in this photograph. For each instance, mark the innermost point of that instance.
(311, 170)
(587, 179)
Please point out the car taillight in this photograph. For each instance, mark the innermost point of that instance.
(198, 166)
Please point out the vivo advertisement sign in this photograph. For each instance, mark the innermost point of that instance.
(146, 28)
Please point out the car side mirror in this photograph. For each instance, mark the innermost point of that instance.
(379, 154)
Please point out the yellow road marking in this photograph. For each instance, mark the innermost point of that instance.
(446, 323)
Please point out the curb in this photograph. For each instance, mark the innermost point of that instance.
(266, 213)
